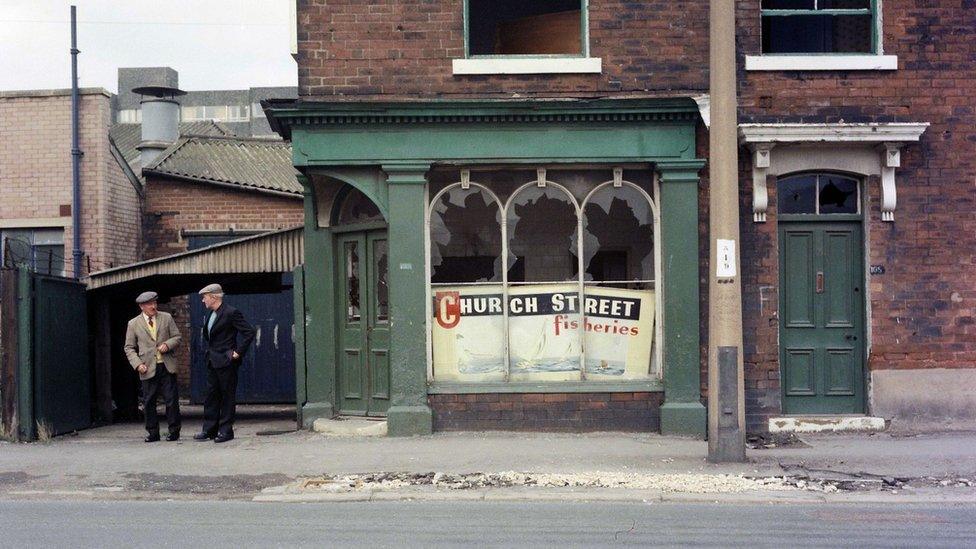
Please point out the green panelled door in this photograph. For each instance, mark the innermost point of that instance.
(821, 318)
(364, 323)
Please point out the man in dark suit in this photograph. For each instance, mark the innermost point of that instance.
(228, 337)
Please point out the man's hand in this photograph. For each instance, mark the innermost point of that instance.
(235, 356)
(142, 368)
(162, 348)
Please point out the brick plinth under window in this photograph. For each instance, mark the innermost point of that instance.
(565, 412)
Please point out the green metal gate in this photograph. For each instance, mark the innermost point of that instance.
(52, 370)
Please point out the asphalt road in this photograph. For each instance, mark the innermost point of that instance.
(414, 524)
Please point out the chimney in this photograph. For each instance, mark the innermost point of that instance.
(160, 120)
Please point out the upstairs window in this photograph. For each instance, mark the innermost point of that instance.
(516, 27)
(819, 26)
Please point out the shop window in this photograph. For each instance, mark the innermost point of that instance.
(466, 237)
(508, 297)
(542, 236)
(513, 27)
(819, 26)
(818, 194)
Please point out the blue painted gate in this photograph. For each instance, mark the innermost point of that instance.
(268, 372)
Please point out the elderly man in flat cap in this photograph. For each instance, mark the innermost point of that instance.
(228, 337)
(149, 342)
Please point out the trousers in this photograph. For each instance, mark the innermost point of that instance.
(163, 382)
(220, 404)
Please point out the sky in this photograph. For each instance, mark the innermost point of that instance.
(213, 44)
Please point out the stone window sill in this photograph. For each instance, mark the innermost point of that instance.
(531, 65)
(821, 62)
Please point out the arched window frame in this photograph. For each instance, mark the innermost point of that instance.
(655, 369)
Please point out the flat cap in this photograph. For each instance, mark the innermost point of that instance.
(146, 297)
(212, 289)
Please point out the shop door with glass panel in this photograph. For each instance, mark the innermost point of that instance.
(821, 341)
(364, 323)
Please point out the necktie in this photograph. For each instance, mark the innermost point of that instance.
(150, 322)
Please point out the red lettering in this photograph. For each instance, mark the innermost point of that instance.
(448, 309)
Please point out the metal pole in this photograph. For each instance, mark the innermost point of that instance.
(726, 409)
(76, 153)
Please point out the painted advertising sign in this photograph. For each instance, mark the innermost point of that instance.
(546, 333)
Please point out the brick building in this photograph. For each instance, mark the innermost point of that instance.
(207, 186)
(35, 162)
(471, 167)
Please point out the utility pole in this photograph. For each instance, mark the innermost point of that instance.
(76, 154)
(726, 409)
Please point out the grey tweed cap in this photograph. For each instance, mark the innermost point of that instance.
(212, 289)
(146, 297)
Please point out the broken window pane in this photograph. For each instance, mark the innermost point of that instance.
(838, 195)
(358, 208)
(512, 27)
(542, 236)
(797, 195)
(465, 237)
(618, 237)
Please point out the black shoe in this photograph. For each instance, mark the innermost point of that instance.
(173, 436)
(203, 436)
(224, 438)
(151, 438)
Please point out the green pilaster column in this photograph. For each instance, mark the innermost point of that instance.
(409, 413)
(315, 390)
(682, 412)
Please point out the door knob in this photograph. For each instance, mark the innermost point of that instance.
(850, 337)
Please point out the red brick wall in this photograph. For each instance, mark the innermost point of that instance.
(922, 308)
(566, 412)
(174, 205)
(404, 48)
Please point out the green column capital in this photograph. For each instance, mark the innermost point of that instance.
(679, 171)
(406, 173)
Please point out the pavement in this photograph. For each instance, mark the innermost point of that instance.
(271, 461)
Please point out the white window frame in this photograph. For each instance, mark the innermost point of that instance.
(655, 370)
(876, 61)
(531, 64)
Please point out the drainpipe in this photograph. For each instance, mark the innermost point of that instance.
(76, 154)
(726, 409)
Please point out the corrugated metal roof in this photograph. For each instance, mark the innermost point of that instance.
(273, 252)
(258, 164)
(127, 136)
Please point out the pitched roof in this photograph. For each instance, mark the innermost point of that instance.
(126, 137)
(257, 164)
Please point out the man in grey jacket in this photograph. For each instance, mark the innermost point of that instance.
(149, 342)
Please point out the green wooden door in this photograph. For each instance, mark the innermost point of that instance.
(364, 326)
(821, 318)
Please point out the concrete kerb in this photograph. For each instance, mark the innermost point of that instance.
(617, 495)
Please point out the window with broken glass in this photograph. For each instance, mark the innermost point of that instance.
(818, 193)
(543, 275)
(819, 26)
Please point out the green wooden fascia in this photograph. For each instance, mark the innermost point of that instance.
(331, 116)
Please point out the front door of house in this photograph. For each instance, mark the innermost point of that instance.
(821, 317)
(363, 318)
